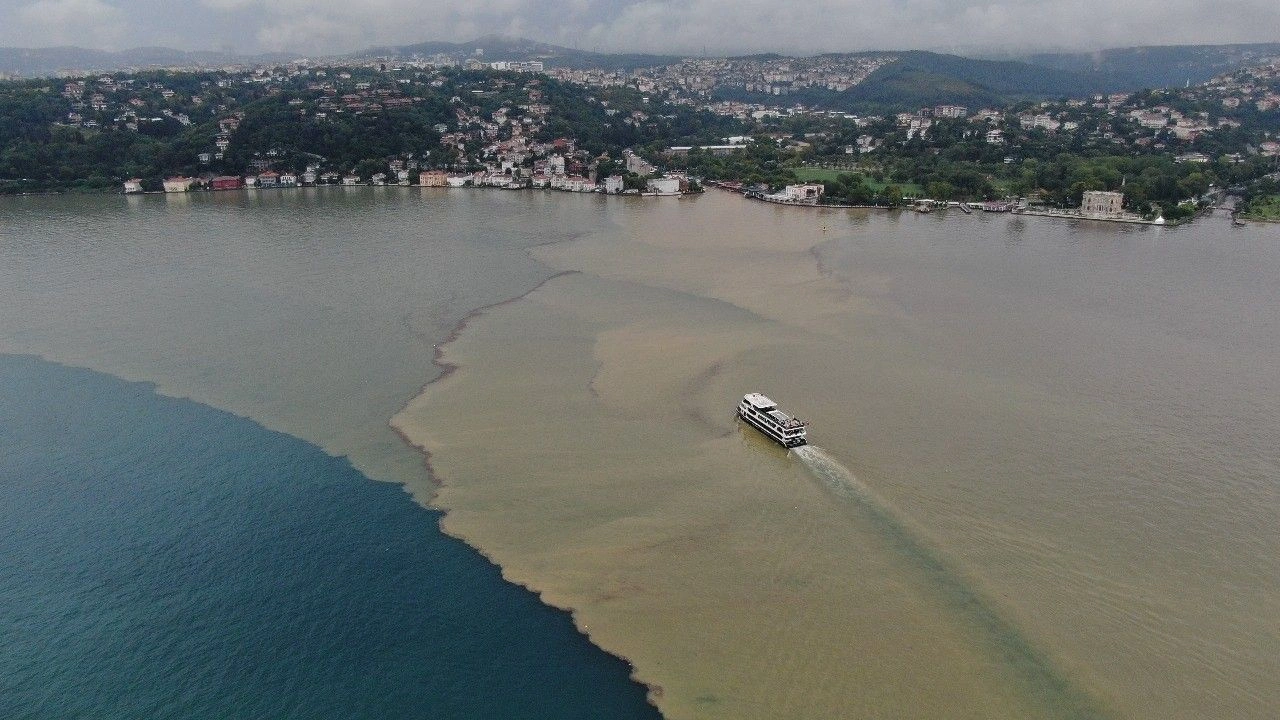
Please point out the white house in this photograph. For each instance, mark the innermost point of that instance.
(807, 193)
(664, 186)
(178, 184)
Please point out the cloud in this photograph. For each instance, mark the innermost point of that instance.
(839, 25)
(72, 22)
(731, 26)
(680, 26)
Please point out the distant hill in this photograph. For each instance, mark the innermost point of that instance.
(500, 47)
(924, 78)
(918, 79)
(913, 80)
(1156, 66)
(37, 62)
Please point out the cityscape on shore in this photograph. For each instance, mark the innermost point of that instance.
(664, 130)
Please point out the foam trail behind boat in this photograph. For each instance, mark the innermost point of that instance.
(840, 478)
(1032, 669)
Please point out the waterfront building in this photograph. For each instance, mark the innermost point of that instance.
(226, 182)
(178, 184)
(806, 193)
(1100, 203)
(433, 178)
(664, 186)
(133, 185)
(636, 164)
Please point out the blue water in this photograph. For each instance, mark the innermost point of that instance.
(163, 559)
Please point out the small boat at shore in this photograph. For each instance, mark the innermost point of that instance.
(763, 414)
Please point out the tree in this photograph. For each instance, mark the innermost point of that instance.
(940, 190)
(891, 195)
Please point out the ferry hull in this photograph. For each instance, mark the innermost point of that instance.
(784, 442)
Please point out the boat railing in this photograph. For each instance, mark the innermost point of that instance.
(777, 417)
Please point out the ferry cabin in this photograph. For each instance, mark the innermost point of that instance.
(764, 414)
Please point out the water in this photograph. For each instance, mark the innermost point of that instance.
(315, 312)
(1049, 459)
(1062, 437)
(1037, 675)
(162, 559)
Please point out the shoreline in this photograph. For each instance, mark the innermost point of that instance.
(1256, 218)
(947, 205)
(932, 204)
(1068, 215)
(344, 186)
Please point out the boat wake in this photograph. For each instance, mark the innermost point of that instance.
(1029, 667)
(839, 478)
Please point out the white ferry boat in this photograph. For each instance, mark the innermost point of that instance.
(764, 414)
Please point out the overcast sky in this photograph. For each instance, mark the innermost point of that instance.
(681, 26)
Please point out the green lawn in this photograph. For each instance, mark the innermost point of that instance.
(907, 188)
(819, 174)
(1267, 208)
